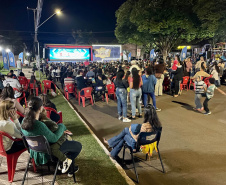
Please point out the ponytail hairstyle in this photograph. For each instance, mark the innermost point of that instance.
(136, 78)
(151, 117)
(29, 120)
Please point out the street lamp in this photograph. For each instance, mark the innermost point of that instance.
(7, 50)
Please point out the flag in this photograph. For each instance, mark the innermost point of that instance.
(11, 59)
(183, 53)
(5, 60)
(129, 57)
(21, 55)
(124, 55)
(152, 54)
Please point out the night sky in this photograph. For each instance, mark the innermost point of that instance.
(90, 15)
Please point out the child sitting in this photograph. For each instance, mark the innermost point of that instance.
(210, 94)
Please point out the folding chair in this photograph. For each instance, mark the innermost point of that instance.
(145, 138)
(38, 144)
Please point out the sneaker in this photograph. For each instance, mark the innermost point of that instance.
(140, 116)
(157, 109)
(70, 173)
(66, 165)
(126, 120)
(60, 166)
(120, 118)
(207, 113)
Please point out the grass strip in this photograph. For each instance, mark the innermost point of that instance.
(95, 167)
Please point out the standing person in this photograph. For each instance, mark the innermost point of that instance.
(19, 66)
(178, 76)
(135, 93)
(188, 66)
(215, 72)
(159, 74)
(198, 64)
(210, 94)
(148, 88)
(134, 65)
(200, 88)
(121, 93)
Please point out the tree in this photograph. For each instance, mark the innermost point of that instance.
(165, 22)
(83, 37)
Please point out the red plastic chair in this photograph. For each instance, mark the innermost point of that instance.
(22, 97)
(11, 158)
(184, 84)
(111, 90)
(166, 84)
(70, 89)
(23, 81)
(49, 110)
(32, 87)
(47, 85)
(87, 94)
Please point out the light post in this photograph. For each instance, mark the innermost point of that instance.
(37, 15)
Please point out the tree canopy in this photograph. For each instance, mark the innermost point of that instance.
(168, 22)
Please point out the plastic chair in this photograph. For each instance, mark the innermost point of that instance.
(47, 85)
(49, 110)
(87, 94)
(99, 91)
(23, 81)
(11, 158)
(206, 80)
(184, 84)
(166, 84)
(111, 90)
(22, 97)
(70, 89)
(41, 145)
(32, 87)
(145, 138)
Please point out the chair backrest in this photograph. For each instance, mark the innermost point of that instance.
(87, 91)
(111, 88)
(47, 83)
(70, 88)
(32, 85)
(23, 80)
(2, 149)
(49, 110)
(146, 138)
(185, 80)
(37, 144)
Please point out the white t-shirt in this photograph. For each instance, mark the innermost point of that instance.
(19, 64)
(14, 83)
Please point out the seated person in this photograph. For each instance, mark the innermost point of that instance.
(14, 76)
(90, 73)
(14, 83)
(69, 79)
(35, 82)
(130, 135)
(22, 74)
(8, 94)
(99, 81)
(81, 82)
(7, 111)
(31, 126)
(47, 103)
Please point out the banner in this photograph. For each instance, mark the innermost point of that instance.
(125, 56)
(21, 55)
(5, 60)
(107, 52)
(152, 55)
(183, 54)
(129, 57)
(138, 52)
(11, 59)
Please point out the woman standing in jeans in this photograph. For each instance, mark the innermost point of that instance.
(135, 93)
(121, 93)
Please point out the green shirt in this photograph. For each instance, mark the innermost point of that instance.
(40, 128)
(210, 91)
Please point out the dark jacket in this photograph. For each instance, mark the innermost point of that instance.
(121, 84)
(148, 83)
(81, 82)
(178, 74)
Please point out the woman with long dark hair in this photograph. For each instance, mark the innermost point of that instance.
(130, 135)
(135, 93)
(121, 93)
(31, 126)
(215, 70)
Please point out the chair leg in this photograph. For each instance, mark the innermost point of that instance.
(163, 170)
(26, 171)
(106, 97)
(83, 102)
(131, 152)
(33, 162)
(73, 166)
(123, 158)
(54, 177)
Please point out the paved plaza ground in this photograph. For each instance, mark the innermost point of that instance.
(192, 144)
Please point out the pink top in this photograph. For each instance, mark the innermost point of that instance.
(131, 80)
(174, 67)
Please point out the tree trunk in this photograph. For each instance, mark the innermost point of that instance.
(164, 53)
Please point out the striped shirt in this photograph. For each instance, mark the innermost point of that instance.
(200, 87)
(69, 80)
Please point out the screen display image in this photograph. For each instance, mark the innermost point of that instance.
(69, 54)
(106, 52)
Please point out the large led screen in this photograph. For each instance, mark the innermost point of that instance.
(106, 52)
(69, 54)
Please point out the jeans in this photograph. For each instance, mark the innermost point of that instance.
(117, 142)
(205, 105)
(197, 101)
(158, 86)
(121, 94)
(135, 95)
(145, 99)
